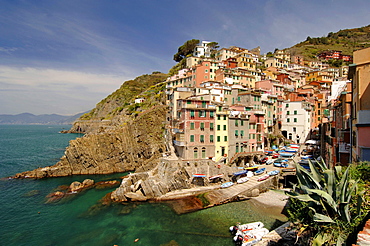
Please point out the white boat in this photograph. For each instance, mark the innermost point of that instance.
(274, 172)
(243, 228)
(264, 177)
(227, 184)
(242, 180)
(251, 237)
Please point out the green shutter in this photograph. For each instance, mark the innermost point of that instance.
(211, 138)
(202, 138)
(211, 126)
(192, 113)
(191, 138)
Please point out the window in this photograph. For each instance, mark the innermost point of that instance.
(202, 126)
(225, 138)
(202, 138)
(211, 138)
(241, 122)
(203, 152)
(295, 119)
(236, 123)
(211, 126)
(294, 129)
(288, 120)
(218, 139)
(287, 105)
(237, 148)
(192, 126)
(191, 138)
(224, 127)
(295, 111)
(203, 104)
(211, 114)
(202, 113)
(241, 133)
(287, 112)
(218, 127)
(224, 117)
(195, 153)
(188, 102)
(192, 113)
(236, 133)
(218, 117)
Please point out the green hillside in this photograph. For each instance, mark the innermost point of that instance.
(347, 41)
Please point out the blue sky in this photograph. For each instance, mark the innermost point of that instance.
(62, 56)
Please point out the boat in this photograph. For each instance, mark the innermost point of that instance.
(254, 168)
(251, 237)
(294, 146)
(270, 161)
(227, 184)
(250, 174)
(281, 164)
(260, 171)
(288, 169)
(199, 175)
(242, 180)
(240, 173)
(242, 228)
(274, 172)
(293, 150)
(264, 177)
(286, 154)
(216, 176)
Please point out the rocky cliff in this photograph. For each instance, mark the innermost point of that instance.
(135, 145)
(120, 135)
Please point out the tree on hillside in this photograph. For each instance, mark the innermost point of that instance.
(213, 48)
(186, 49)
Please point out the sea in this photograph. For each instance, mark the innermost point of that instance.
(27, 219)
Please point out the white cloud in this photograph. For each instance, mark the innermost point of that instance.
(53, 91)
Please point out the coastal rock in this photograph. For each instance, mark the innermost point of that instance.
(137, 144)
(54, 197)
(107, 184)
(167, 176)
(136, 196)
(77, 186)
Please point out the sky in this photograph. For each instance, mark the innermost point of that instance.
(65, 56)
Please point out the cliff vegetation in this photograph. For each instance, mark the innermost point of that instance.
(347, 41)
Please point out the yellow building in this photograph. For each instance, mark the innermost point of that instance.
(221, 134)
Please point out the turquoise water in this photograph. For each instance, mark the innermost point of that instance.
(25, 219)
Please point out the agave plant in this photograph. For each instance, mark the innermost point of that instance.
(328, 193)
